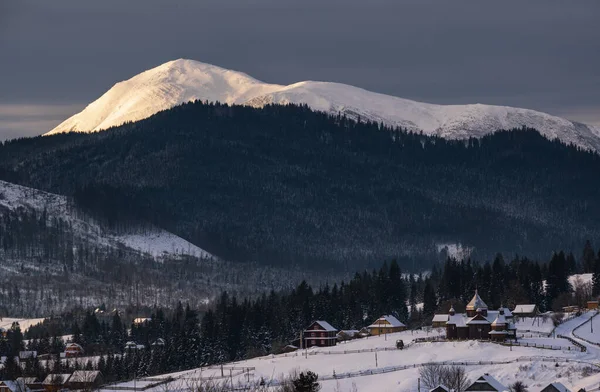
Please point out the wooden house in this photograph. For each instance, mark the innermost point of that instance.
(592, 305)
(348, 334)
(319, 333)
(73, 350)
(13, 386)
(85, 379)
(528, 310)
(487, 383)
(56, 382)
(556, 387)
(386, 324)
(32, 383)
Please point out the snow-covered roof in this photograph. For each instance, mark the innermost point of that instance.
(476, 303)
(84, 376)
(498, 333)
(478, 319)
(507, 313)
(54, 379)
(499, 320)
(326, 326)
(486, 378)
(559, 387)
(393, 322)
(458, 319)
(439, 318)
(15, 386)
(27, 380)
(445, 388)
(530, 308)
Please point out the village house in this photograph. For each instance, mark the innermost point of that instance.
(556, 387)
(158, 344)
(348, 334)
(73, 350)
(487, 383)
(386, 324)
(529, 310)
(478, 322)
(25, 355)
(319, 333)
(592, 305)
(133, 346)
(56, 382)
(85, 379)
(32, 383)
(13, 386)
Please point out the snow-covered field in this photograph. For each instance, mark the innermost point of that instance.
(24, 324)
(180, 81)
(590, 330)
(536, 324)
(352, 369)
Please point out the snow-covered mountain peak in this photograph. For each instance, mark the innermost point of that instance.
(182, 80)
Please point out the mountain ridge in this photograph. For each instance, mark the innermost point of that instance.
(180, 81)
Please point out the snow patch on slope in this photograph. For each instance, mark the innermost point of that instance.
(156, 243)
(181, 81)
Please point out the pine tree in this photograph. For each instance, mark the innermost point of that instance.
(596, 277)
(429, 300)
(307, 382)
(588, 257)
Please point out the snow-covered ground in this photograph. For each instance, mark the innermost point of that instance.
(24, 324)
(156, 242)
(590, 330)
(180, 81)
(535, 324)
(354, 361)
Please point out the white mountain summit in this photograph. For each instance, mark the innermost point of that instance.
(180, 81)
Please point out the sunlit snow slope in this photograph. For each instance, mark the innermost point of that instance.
(157, 242)
(182, 80)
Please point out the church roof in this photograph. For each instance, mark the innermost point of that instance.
(476, 303)
(500, 320)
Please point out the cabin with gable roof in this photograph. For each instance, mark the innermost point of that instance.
(320, 333)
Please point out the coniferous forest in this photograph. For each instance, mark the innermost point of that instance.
(287, 186)
(234, 328)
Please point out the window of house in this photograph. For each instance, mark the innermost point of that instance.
(312, 342)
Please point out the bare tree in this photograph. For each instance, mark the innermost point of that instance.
(453, 377)
(432, 375)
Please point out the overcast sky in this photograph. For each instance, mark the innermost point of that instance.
(58, 55)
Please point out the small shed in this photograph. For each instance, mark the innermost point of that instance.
(592, 305)
(556, 387)
(527, 310)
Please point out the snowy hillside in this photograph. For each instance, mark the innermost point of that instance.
(374, 364)
(157, 243)
(182, 80)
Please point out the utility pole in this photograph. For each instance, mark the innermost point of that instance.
(419, 384)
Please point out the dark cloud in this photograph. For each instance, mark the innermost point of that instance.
(540, 54)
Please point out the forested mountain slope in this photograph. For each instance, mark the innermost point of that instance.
(289, 186)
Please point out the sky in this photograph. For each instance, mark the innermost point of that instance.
(57, 56)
